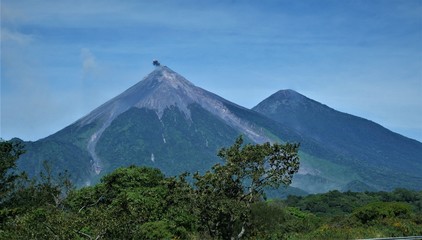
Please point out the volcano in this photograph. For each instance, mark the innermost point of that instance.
(162, 121)
(374, 154)
(166, 122)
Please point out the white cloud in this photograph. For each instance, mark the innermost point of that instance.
(14, 36)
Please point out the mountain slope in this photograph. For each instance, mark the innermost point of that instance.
(162, 121)
(378, 155)
(165, 121)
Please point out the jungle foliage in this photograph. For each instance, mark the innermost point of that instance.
(226, 202)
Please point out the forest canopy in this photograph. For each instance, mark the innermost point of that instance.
(226, 202)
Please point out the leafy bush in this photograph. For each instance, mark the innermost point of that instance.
(380, 210)
(153, 230)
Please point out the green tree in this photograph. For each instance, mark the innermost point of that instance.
(9, 153)
(381, 210)
(35, 209)
(133, 201)
(226, 193)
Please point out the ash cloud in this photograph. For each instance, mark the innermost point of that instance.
(89, 63)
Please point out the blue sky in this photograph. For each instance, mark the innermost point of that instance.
(62, 59)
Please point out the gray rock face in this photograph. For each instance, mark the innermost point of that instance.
(160, 90)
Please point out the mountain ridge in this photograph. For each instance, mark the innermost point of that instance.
(165, 121)
(162, 99)
(366, 143)
(160, 90)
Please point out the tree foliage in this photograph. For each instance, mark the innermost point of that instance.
(132, 201)
(379, 211)
(9, 153)
(225, 194)
(226, 202)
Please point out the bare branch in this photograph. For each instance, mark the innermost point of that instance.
(84, 234)
(99, 199)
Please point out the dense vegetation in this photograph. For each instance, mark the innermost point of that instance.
(226, 202)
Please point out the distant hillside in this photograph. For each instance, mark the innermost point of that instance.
(377, 155)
